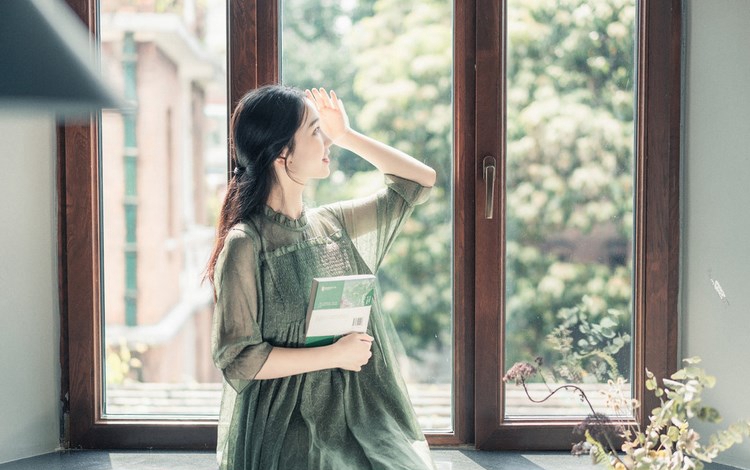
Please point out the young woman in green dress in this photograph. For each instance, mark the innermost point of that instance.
(338, 407)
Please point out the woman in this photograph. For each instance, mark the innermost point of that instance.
(342, 406)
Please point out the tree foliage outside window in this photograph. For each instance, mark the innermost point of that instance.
(570, 133)
(390, 61)
(569, 181)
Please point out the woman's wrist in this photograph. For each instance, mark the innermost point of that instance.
(347, 139)
(331, 355)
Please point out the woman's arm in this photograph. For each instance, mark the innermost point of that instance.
(388, 160)
(350, 352)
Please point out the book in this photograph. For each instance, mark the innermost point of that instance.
(338, 306)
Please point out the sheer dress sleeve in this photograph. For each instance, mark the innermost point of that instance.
(238, 348)
(373, 222)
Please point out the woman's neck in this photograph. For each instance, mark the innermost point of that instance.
(287, 199)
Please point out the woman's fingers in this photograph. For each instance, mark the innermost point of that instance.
(317, 99)
(354, 351)
(321, 98)
(335, 101)
(326, 99)
(340, 104)
(333, 118)
(366, 337)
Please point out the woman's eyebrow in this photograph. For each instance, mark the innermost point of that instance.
(312, 123)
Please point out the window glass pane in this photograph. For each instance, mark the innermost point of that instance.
(163, 176)
(569, 192)
(391, 63)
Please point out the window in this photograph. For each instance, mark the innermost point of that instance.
(407, 104)
(161, 179)
(569, 194)
(505, 239)
(477, 257)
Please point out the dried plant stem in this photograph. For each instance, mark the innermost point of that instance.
(561, 387)
(580, 391)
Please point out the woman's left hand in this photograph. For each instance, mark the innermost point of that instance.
(333, 118)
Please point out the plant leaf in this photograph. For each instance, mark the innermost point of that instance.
(709, 414)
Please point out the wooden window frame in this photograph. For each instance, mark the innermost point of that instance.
(657, 228)
(253, 48)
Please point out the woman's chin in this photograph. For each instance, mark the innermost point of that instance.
(323, 174)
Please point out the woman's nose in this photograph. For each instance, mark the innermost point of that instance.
(326, 140)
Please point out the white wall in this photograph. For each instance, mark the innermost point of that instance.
(716, 206)
(29, 314)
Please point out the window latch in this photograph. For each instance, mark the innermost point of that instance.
(488, 171)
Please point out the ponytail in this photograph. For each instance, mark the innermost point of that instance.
(262, 125)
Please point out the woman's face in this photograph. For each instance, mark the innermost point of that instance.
(311, 156)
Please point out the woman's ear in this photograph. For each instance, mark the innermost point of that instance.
(284, 158)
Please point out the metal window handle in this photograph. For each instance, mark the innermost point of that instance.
(488, 172)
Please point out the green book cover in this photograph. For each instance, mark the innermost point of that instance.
(338, 306)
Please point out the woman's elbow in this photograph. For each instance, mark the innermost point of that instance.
(430, 178)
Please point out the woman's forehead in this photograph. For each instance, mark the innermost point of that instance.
(311, 113)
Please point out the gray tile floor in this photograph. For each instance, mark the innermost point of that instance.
(446, 459)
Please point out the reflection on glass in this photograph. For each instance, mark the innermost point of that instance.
(163, 175)
(391, 63)
(569, 193)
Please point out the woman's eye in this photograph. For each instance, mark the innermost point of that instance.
(317, 130)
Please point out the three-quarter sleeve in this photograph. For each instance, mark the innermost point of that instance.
(373, 222)
(238, 348)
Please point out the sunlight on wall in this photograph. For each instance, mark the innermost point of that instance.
(29, 317)
(715, 261)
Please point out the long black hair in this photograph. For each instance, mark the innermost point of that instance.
(262, 126)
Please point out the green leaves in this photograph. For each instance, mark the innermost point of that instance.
(599, 339)
(569, 171)
(669, 442)
(709, 414)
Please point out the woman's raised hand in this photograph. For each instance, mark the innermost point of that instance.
(353, 351)
(333, 118)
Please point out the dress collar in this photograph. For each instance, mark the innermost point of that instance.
(284, 220)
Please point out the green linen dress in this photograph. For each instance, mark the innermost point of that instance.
(327, 420)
